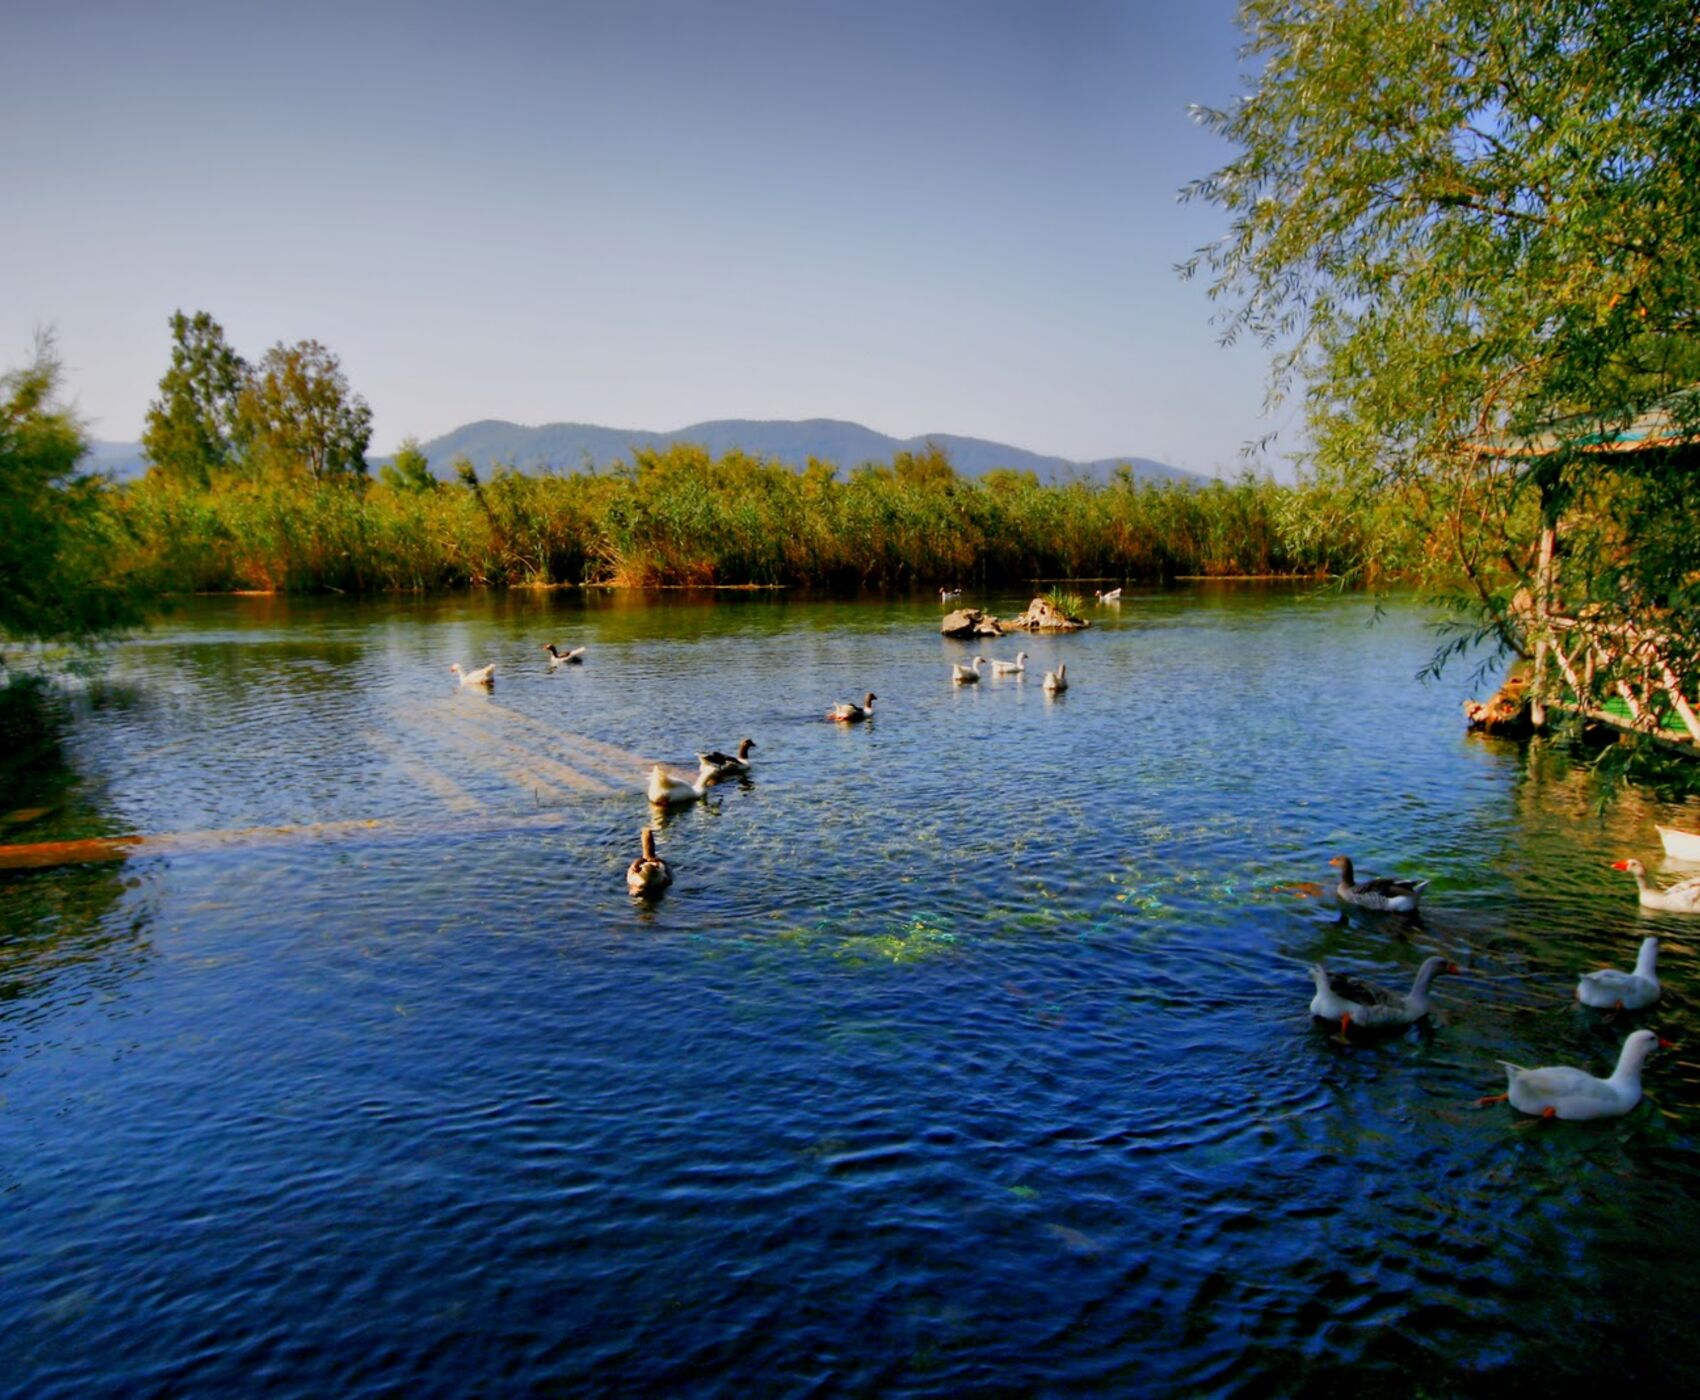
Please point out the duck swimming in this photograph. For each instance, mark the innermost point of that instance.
(665, 790)
(648, 874)
(575, 657)
(1370, 1006)
(1558, 1091)
(848, 712)
(1609, 989)
(717, 766)
(1399, 896)
(1681, 898)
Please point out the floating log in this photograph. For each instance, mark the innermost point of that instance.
(44, 855)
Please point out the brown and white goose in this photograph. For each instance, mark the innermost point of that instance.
(848, 712)
(1368, 1005)
(648, 874)
(717, 766)
(575, 657)
(1399, 896)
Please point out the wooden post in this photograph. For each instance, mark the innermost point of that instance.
(1543, 604)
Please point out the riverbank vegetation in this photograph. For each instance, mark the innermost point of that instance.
(683, 517)
(259, 480)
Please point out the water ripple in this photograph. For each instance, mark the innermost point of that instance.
(969, 1050)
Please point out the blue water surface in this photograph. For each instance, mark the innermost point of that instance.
(968, 1051)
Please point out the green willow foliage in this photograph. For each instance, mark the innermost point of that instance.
(683, 517)
(1458, 222)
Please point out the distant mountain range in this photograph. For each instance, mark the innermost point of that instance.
(578, 446)
(573, 446)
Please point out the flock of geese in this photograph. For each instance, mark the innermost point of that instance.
(648, 874)
(969, 674)
(1552, 1091)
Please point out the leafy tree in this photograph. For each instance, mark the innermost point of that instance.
(1465, 222)
(297, 414)
(191, 425)
(55, 546)
(409, 470)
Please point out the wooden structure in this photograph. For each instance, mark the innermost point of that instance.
(1642, 693)
(1608, 671)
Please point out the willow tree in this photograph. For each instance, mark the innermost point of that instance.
(1460, 223)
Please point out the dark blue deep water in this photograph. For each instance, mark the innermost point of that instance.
(969, 1051)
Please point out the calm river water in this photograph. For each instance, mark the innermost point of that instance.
(968, 1052)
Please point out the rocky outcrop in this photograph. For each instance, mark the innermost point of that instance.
(971, 622)
(1042, 617)
(1039, 617)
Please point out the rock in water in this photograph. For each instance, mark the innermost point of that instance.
(970, 622)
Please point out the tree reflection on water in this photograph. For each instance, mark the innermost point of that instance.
(58, 922)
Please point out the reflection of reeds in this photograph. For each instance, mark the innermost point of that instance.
(682, 517)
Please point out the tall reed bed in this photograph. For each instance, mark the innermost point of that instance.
(680, 516)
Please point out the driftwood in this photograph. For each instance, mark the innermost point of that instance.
(1507, 713)
(1039, 617)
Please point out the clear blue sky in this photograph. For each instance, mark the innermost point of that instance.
(923, 215)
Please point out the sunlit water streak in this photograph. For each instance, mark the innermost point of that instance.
(968, 1050)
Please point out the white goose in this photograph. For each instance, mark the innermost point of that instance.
(1010, 668)
(946, 594)
(575, 657)
(1680, 845)
(1399, 896)
(849, 712)
(1558, 1091)
(1113, 596)
(648, 874)
(1370, 1006)
(1609, 989)
(716, 766)
(969, 674)
(484, 675)
(666, 791)
(1681, 898)
(1057, 681)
